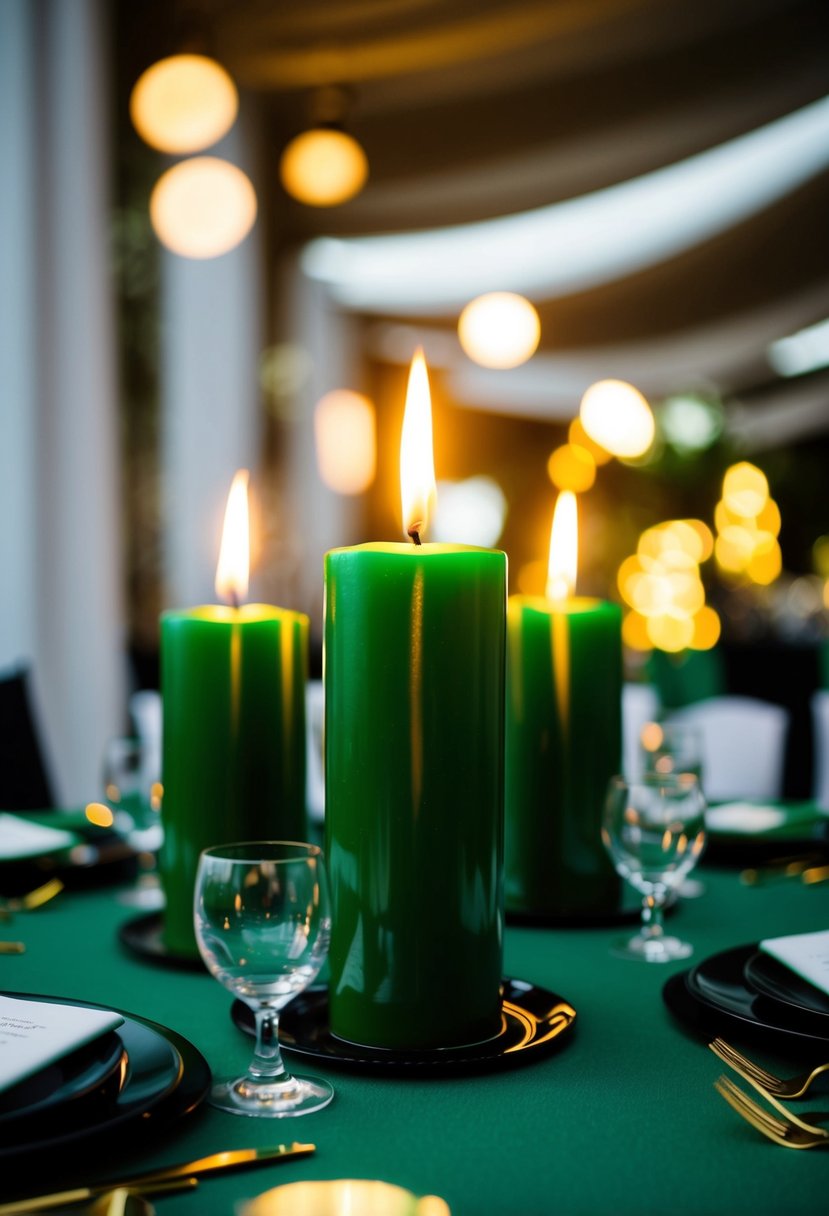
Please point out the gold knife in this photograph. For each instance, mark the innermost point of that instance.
(232, 1160)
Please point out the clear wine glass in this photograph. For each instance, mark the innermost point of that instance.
(263, 924)
(654, 830)
(670, 748)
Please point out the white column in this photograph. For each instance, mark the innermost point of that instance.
(60, 384)
(318, 518)
(211, 316)
(18, 339)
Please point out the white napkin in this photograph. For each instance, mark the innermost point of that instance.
(743, 817)
(805, 953)
(21, 838)
(34, 1034)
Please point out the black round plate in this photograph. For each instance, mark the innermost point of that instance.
(166, 1078)
(534, 1022)
(144, 936)
(713, 999)
(89, 1074)
(727, 849)
(786, 988)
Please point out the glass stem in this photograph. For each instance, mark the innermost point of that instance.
(652, 906)
(266, 1064)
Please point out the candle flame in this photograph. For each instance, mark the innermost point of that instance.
(564, 548)
(417, 464)
(233, 569)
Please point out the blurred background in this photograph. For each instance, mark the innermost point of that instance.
(652, 175)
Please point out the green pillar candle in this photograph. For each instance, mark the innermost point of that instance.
(233, 688)
(233, 752)
(414, 686)
(563, 744)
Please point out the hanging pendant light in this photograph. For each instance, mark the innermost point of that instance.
(184, 103)
(324, 165)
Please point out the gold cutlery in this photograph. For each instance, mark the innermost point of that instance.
(780, 1087)
(31, 900)
(806, 869)
(153, 1180)
(12, 947)
(781, 1130)
(122, 1201)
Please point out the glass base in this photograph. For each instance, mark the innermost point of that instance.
(271, 1099)
(652, 949)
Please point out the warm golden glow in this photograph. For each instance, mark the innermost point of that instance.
(345, 435)
(323, 167)
(745, 490)
(616, 415)
(707, 629)
(571, 467)
(564, 548)
(202, 208)
(652, 736)
(661, 582)
(183, 103)
(233, 569)
(499, 330)
(156, 795)
(578, 435)
(100, 815)
(748, 523)
(417, 463)
(670, 633)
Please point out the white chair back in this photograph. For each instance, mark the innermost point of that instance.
(820, 742)
(743, 746)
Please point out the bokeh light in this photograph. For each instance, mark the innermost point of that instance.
(578, 435)
(202, 208)
(662, 587)
(323, 167)
(691, 422)
(183, 103)
(346, 443)
(748, 523)
(499, 330)
(616, 415)
(745, 490)
(571, 467)
(470, 512)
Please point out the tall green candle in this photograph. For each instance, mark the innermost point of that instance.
(233, 689)
(414, 686)
(563, 742)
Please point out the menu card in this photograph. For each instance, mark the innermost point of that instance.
(20, 837)
(805, 953)
(34, 1034)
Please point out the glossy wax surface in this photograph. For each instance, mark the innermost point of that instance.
(414, 675)
(564, 741)
(233, 688)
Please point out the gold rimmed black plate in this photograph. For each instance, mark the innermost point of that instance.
(534, 1022)
(165, 1078)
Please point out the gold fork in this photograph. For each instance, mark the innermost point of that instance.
(781, 1131)
(32, 899)
(781, 1087)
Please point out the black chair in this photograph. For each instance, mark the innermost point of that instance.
(24, 779)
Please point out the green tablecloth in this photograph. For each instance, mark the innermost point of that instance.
(625, 1117)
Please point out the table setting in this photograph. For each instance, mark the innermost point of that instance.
(436, 984)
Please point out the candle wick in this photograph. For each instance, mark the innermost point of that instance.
(234, 599)
(414, 533)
